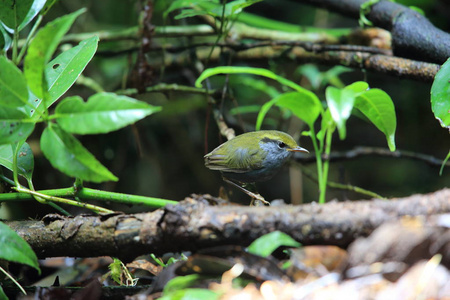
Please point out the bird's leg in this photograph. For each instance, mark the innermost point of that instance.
(255, 196)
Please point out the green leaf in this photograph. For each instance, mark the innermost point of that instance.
(2, 294)
(306, 106)
(192, 294)
(378, 107)
(62, 72)
(181, 282)
(188, 13)
(266, 244)
(358, 87)
(116, 270)
(178, 4)
(13, 87)
(13, 125)
(17, 14)
(41, 50)
(340, 102)
(103, 112)
(66, 154)
(440, 95)
(15, 249)
(248, 70)
(25, 159)
(5, 39)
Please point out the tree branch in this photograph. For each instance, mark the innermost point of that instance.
(413, 35)
(367, 151)
(195, 224)
(395, 66)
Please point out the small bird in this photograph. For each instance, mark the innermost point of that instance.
(252, 157)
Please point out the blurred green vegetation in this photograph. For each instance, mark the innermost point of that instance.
(162, 156)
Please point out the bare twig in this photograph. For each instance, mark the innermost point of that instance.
(369, 151)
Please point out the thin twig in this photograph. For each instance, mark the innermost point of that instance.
(375, 151)
(342, 186)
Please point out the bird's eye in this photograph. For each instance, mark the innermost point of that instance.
(281, 145)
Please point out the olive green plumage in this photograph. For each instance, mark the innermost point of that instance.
(253, 156)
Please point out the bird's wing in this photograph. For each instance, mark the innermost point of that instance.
(241, 161)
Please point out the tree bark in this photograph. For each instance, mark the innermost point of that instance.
(195, 224)
(413, 35)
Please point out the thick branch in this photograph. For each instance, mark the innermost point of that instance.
(193, 225)
(395, 66)
(413, 36)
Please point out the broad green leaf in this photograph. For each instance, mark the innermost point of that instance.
(235, 7)
(189, 13)
(312, 73)
(25, 159)
(41, 50)
(231, 8)
(14, 248)
(266, 244)
(34, 10)
(13, 125)
(358, 87)
(332, 76)
(17, 14)
(66, 154)
(13, 87)
(62, 72)
(378, 107)
(340, 102)
(13, 13)
(440, 95)
(178, 4)
(5, 39)
(192, 294)
(181, 282)
(103, 112)
(306, 106)
(2, 294)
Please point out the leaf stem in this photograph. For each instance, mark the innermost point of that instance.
(29, 37)
(94, 208)
(91, 194)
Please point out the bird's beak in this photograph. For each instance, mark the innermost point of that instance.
(298, 149)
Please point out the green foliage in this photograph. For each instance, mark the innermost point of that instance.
(440, 95)
(268, 243)
(25, 159)
(13, 86)
(120, 274)
(15, 15)
(102, 113)
(62, 72)
(41, 50)
(26, 97)
(440, 100)
(375, 104)
(180, 288)
(16, 249)
(67, 154)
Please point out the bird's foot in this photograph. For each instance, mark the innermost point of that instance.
(258, 200)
